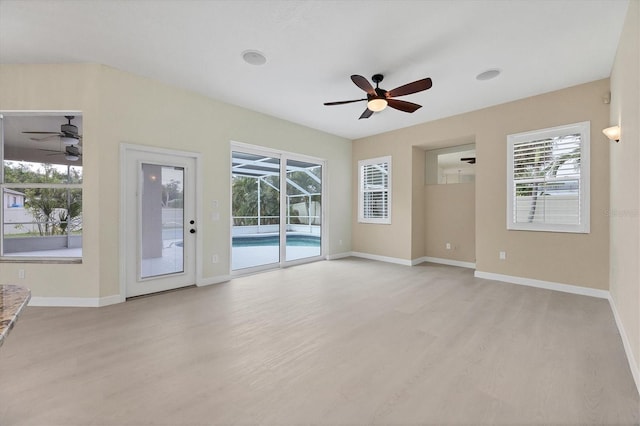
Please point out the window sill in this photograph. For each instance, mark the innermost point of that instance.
(69, 261)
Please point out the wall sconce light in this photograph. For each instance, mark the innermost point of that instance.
(613, 133)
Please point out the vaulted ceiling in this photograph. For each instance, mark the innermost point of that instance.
(312, 47)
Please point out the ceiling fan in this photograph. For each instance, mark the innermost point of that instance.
(470, 160)
(68, 133)
(378, 99)
(71, 152)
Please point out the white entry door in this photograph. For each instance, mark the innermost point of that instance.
(160, 220)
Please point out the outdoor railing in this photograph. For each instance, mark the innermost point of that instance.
(270, 223)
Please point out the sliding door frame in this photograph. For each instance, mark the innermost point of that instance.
(283, 156)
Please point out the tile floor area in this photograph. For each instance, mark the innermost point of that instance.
(349, 341)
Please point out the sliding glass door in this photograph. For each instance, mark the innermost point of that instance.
(255, 195)
(270, 226)
(304, 210)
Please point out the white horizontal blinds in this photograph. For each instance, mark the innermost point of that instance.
(375, 191)
(546, 180)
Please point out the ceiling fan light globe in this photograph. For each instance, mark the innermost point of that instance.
(66, 140)
(70, 157)
(377, 104)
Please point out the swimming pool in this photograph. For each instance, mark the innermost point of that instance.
(294, 240)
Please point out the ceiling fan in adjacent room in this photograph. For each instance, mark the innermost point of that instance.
(68, 133)
(378, 99)
(470, 160)
(71, 152)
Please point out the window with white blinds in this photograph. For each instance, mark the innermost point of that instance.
(374, 194)
(548, 179)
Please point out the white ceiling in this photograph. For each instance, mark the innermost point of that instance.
(312, 48)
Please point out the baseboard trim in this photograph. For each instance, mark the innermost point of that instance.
(633, 365)
(449, 262)
(406, 262)
(75, 302)
(213, 280)
(549, 285)
(338, 256)
(111, 300)
(387, 259)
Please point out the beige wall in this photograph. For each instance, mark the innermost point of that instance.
(625, 182)
(392, 240)
(578, 259)
(417, 203)
(120, 107)
(450, 217)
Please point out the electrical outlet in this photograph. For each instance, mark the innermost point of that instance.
(21, 274)
(214, 258)
(214, 204)
(503, 255)
(448, 246)
(215, 216)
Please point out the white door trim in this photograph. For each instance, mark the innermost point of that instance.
(127, 149)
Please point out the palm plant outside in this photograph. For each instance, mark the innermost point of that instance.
(302, 187)
(55, 210)
(539, 164)
(245, 200)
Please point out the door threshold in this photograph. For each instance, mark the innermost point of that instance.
(156, 293)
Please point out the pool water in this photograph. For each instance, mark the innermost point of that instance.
(295, 240)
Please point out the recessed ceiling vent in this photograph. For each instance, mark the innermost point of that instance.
(488, 74)
(254, 57)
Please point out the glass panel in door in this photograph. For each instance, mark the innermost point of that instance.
(255, 193)
(304, 210)
(161, 220)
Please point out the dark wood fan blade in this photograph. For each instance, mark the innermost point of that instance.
(403, 105)
(43, 133)
(344, 102)
(415, 87)
(470, 160)
(366, 114)
(363, 83)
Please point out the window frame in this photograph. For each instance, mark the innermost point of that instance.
(583, 227)
(4, 258)
(385, 220)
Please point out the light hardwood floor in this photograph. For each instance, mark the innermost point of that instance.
(348, 341)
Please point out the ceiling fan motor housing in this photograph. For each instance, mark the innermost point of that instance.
(69, 129)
